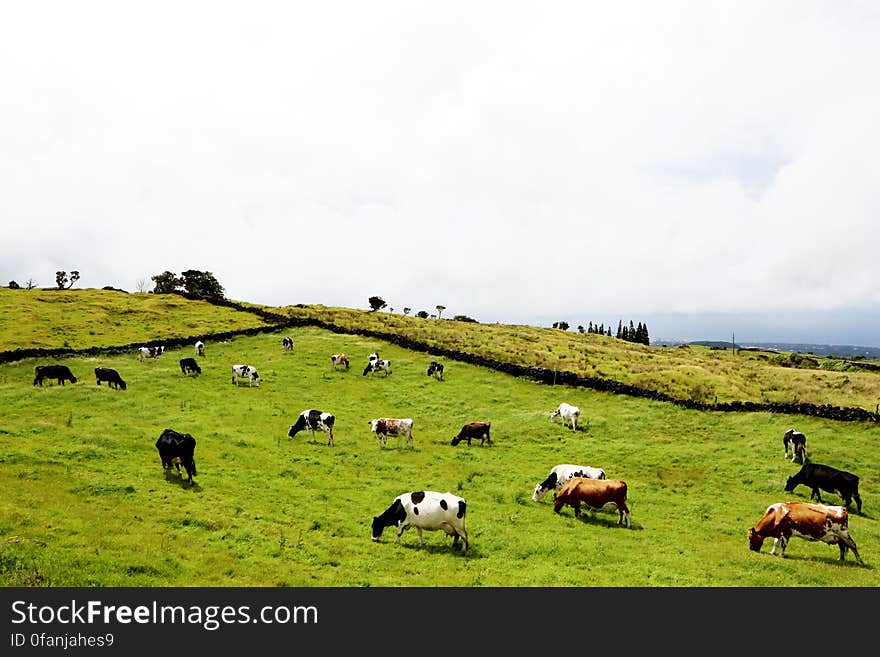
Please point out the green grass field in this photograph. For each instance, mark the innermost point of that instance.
(85, 502)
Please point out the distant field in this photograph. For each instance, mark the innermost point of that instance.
(84, 501)
(685, 372)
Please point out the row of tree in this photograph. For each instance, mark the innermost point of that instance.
(377, 303)
(631, 333)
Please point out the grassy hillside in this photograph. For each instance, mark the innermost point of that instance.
(78, 319)
(687, 372)
(84, 501)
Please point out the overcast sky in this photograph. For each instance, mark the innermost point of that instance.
(522, 162)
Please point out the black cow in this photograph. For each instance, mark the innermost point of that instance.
(110, 376)
(189, 365)
(175, 449)
(436, 370)
(61, 373)
(831, 480)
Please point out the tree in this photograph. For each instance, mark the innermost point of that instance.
(166, 283)
(407, 311)
(201, 284)
(63, 282)
(423, 314)
(563, 326)
(377, 303)
(31, 284)
(141, 285)
(14, 286)
(463, 318)
(440, 310)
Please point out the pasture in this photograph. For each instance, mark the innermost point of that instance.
(85, 501)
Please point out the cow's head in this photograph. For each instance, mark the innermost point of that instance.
(377, 528)
(457, 439)
(790, 484)
(755, 540)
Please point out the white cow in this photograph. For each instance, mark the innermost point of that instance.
(425, 510)
(567, 412)
(200, 348)
(561, 473)
(245, 372)
(386, 426)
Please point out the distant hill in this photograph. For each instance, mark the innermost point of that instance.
(829, 350)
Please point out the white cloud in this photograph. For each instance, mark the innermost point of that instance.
(504, 159)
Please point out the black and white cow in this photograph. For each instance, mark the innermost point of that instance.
(176, 449)
(110, 376)
(435, 369)
(245, 372)
(200, 348)
(796, 443)
(425, 510)
(561, 473)
(287, 343)
(60, 373)
(189, 365)
(150, 352)
(376, 364)
(312, 421)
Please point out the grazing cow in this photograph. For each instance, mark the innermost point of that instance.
(200, 349)
(339, 359)
(386, 426)
(176, 449)
(189, 365)
(312, 420)
(287, 344)
(425, 510)
(593, 493)
(473, 430)
(796, 443)
(812, 522)
(150, 352)
(561, 473)
(567, 412)
(376, 364)
(831, 480)
(110, 376)
(61, 373)
(245, 372)
(436, 370)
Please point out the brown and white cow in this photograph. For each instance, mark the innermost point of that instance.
(594, 494)
(387, 426)
(812, 522)
(339, 359)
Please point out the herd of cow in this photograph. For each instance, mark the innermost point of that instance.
(573, 485)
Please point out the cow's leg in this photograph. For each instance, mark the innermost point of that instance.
(858, 500)
(421, 536)
(577, 509)
(817, 495)
(845, 542)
